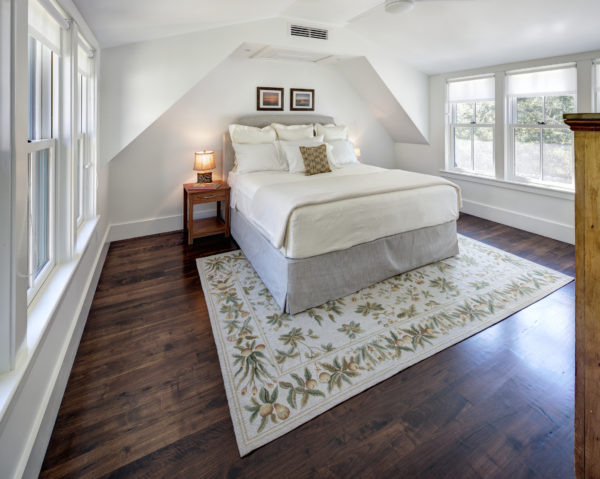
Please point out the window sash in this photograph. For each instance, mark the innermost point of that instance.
(43, 77)
(39, 273)
(453, 125)
(79, 187)
(511, 128)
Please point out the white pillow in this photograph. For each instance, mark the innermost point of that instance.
(342, 153)
(257, 157)
(290, 152)
(251, 134)
(332, 132)
(293, 132)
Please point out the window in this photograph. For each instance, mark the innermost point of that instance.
(82, 140)
(471, 109)
(540, 145)
(42, 133)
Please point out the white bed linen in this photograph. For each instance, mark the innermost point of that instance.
(315, 229)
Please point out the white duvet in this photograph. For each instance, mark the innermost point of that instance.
(309, 215)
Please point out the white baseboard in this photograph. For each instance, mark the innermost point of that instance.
(541, 226)
(152, 226)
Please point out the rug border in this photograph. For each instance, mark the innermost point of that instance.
(245, 448)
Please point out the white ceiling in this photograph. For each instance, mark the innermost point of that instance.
(436, 36)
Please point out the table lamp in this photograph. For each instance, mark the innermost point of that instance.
(357, 152)
(204, 161)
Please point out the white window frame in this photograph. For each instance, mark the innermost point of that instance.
(511, 125)
(37, 281)
(83, 190)
(452, 127)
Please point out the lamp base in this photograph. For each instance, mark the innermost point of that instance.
(205, 177)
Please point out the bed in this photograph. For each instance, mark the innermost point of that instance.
(316, 239)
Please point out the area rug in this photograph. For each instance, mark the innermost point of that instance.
(280, 371)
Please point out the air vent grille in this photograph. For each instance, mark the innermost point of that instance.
(308, 32)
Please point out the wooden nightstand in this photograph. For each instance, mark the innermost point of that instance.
(205, 226)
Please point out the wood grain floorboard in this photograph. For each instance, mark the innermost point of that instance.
(145, 397)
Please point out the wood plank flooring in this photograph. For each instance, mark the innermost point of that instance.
(146, 399)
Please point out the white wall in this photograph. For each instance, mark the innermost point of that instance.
(141, 81)
(146, 177)
(544, 213)
(374, 88)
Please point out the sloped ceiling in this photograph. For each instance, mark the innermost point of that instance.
(436, 36)
(140, 81)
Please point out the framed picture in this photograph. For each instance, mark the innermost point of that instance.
(302, 99)
(268, 98)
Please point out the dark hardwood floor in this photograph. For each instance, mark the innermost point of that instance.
(145, 397)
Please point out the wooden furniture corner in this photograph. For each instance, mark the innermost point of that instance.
(587, 293)
(192, 195)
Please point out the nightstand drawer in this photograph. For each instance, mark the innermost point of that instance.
(209, 196)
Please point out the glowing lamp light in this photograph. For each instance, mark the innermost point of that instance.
(204, 161)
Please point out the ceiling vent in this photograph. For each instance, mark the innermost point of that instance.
(308, 32)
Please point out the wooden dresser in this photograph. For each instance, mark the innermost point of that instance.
(587, 291)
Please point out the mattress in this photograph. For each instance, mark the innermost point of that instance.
(336, 225)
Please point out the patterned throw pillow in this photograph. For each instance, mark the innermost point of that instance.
(315, 159)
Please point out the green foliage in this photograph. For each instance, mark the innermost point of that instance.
(549, 110)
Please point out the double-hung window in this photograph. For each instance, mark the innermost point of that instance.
(44, 58)
(472, 115)
(82, 147)
(540, 145)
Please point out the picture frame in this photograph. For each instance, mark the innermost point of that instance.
(269, 98)
(302, 99)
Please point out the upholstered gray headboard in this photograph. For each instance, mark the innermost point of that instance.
(261, 121)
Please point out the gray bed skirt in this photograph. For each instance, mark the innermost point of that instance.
(300, 284)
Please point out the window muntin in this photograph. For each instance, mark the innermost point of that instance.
(540, 144)
(471, 107)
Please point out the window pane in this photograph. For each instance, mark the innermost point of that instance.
(42, 72)
(486, 112)
(558, 155)
(465, 112)
(46, 93)
(462, 148)
(79, 179)
(527, 153)
(32, 89)
(530, 110)
(484, 150)
(84, 104)
(556, 106)
(40, 209)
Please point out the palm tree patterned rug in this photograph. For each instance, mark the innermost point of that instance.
(280, 371)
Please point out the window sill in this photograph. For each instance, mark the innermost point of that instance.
(553, 192)
(39, 315)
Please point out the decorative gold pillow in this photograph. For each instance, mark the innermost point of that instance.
(315, 159)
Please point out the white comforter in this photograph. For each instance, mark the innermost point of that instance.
(309, 215)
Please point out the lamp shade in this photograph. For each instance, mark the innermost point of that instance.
(204, 160)
(357, 152)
